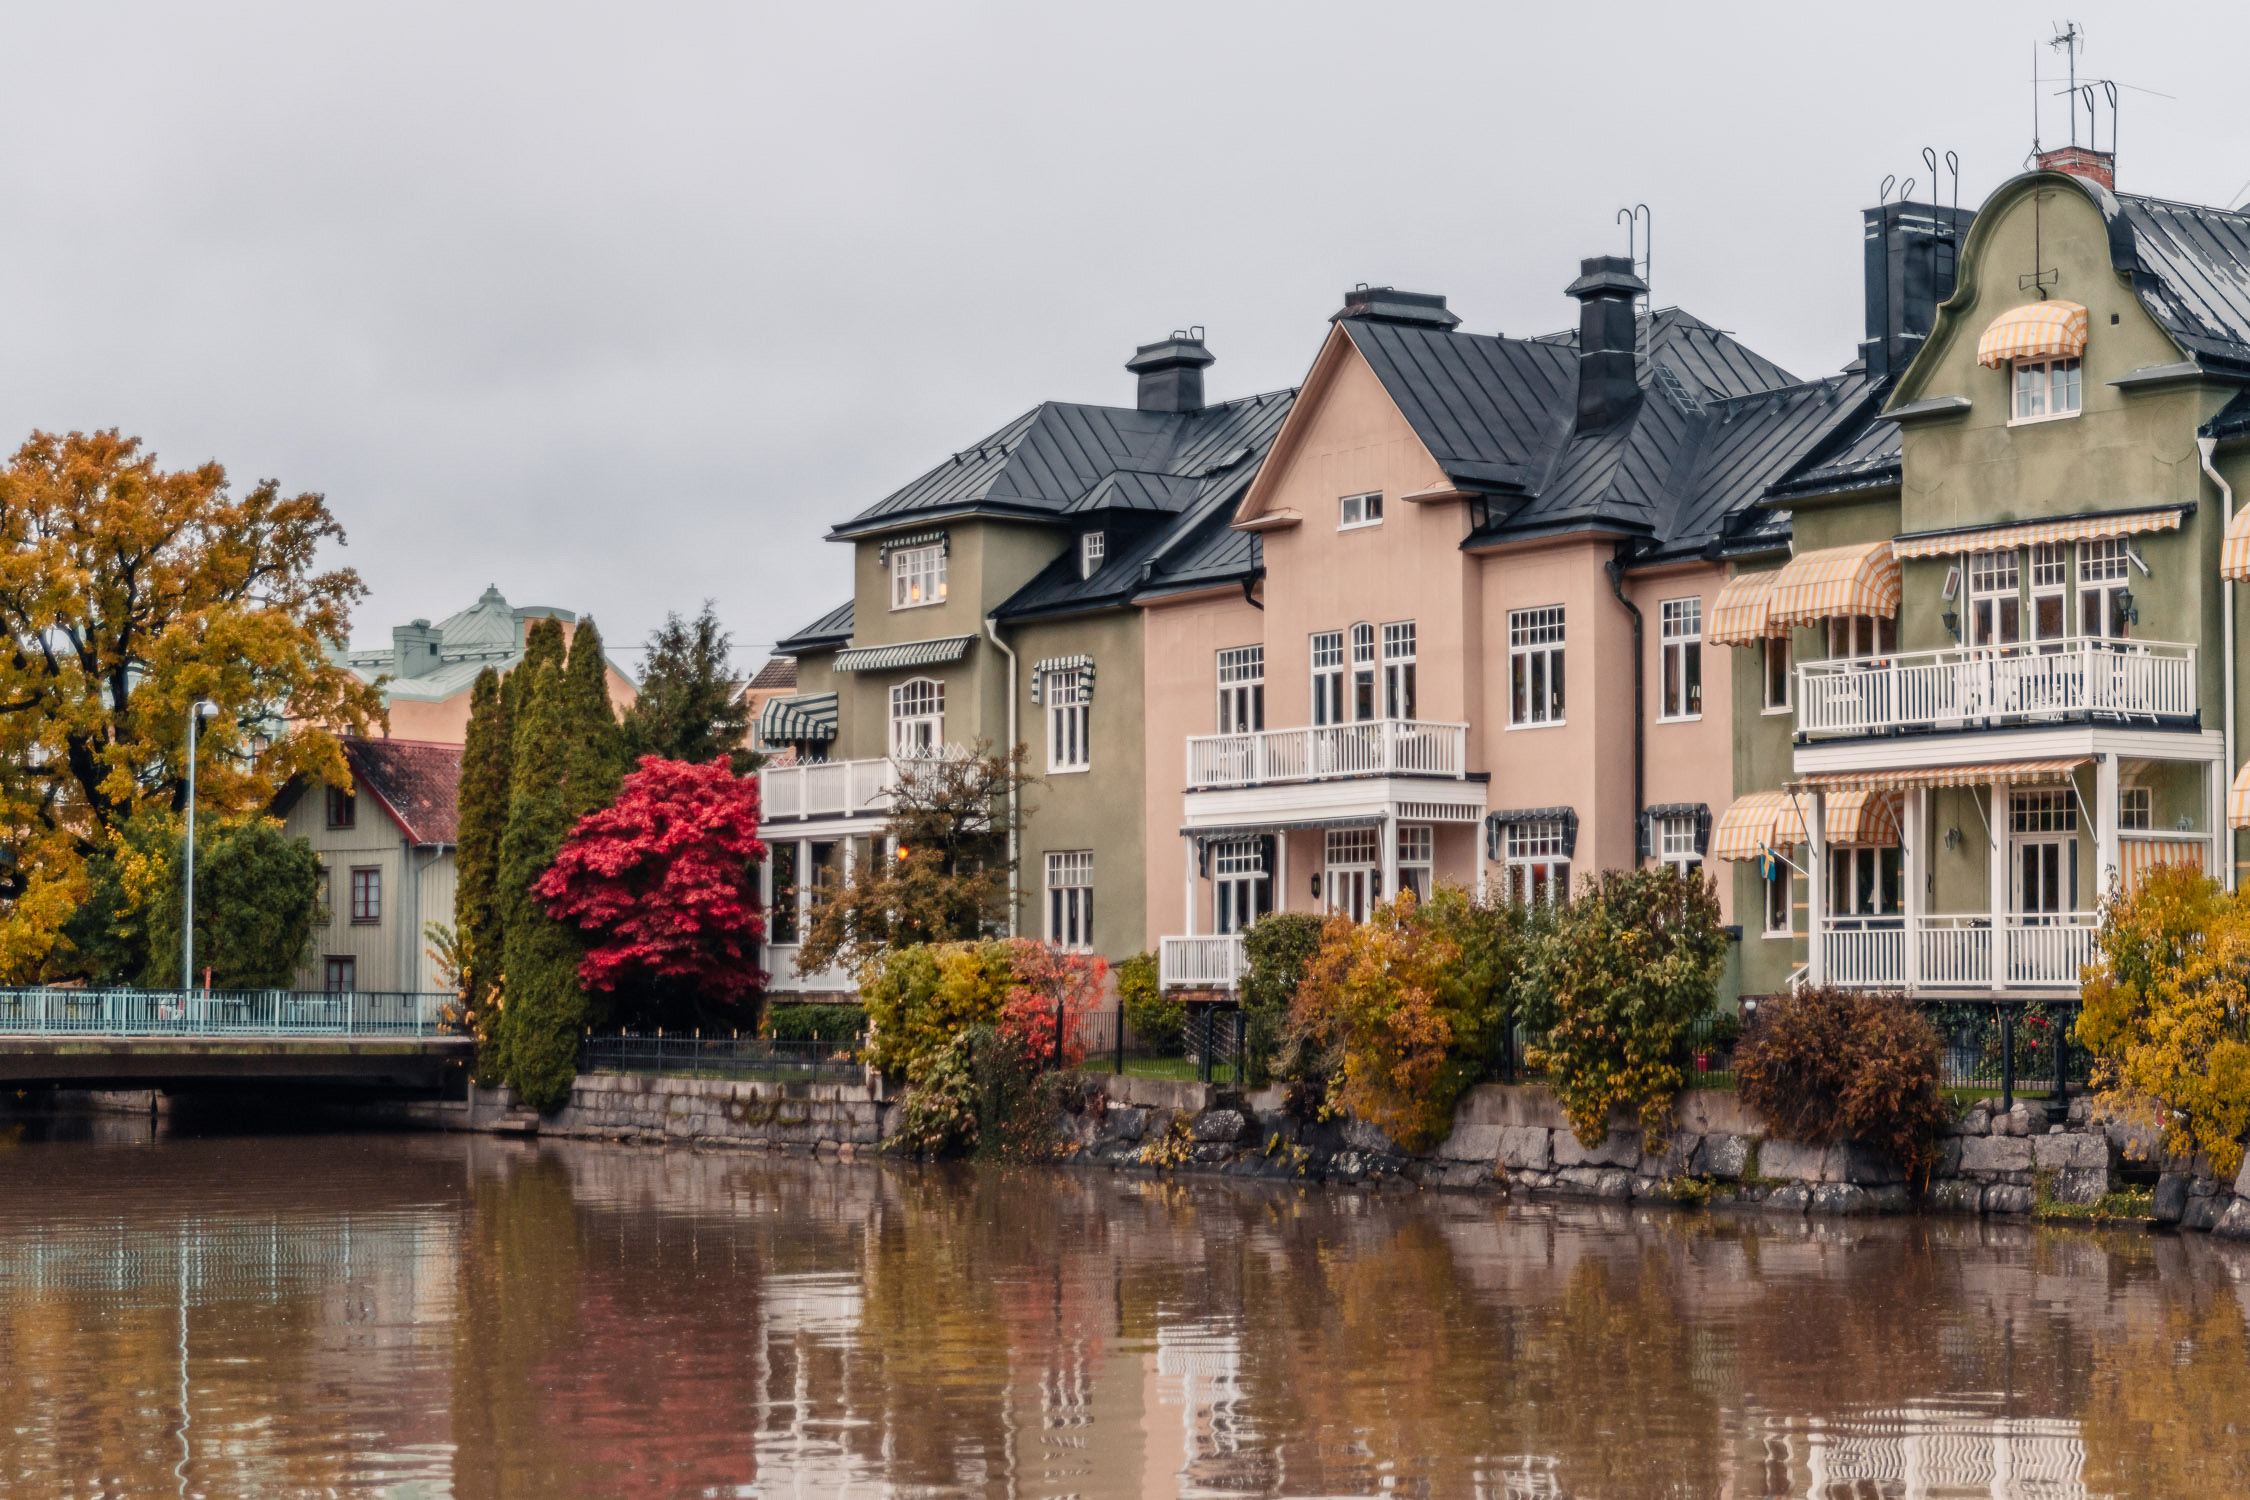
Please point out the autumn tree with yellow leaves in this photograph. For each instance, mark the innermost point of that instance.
(127, 593)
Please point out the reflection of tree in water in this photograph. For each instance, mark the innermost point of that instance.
(2165, 1410)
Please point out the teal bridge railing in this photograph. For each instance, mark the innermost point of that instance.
(216, 1013)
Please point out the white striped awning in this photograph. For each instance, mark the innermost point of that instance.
(1861, 579)
(2234, 552)
(803, 719)
(904, 654)
(2238, 799)
(1740, 615)
(2011, 772)
(2029, 533)
(2139, 856)
(1082, 665)
(1757, 824)
(2053, 329)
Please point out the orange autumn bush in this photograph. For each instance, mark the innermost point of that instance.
(1370, 1006)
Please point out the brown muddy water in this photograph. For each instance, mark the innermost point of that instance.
(419, 1316)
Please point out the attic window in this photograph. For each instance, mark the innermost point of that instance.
(2045, 389)
(1092, 547)
(1360, 510)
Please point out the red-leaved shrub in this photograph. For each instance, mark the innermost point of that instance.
(1825, 1066)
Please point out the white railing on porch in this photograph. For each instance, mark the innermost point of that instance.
(1960, 687)
(2044, 952)
(1200, 963)
(1375, 747)
(783, 976)
(826, 789)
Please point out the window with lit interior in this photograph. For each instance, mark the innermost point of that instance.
(918, 576)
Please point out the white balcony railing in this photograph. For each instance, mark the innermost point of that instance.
(783, 976)
(1375, 747)
(1200, 963)
(2044, 952)
(1968, 688)
(826, 789)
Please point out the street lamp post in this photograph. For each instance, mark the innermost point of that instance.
(196, 712)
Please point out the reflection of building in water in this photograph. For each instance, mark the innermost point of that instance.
(1520, 1476)
(1926, 1451)
(808, 1416)
(1197, 1369)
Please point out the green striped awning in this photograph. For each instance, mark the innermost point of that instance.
(800, 720)
(1082, 665)
(904, 654)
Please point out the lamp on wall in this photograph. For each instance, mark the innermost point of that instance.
(1316, 885)
(1952, 623)
(2127, 610)
(1953, 838)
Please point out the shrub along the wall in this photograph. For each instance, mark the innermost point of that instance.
(1276, 951)
(831, 1025)
(1158, 1020)
(1825, 1065)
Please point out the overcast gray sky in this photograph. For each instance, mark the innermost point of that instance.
(620, 307)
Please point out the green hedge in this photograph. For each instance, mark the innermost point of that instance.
(836, 1025)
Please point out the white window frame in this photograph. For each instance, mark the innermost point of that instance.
(1398, 670)
(1093, 546)
(2136, 809)
(1536, 640)
(1417, 859)
(2105, 571)
(1070, 899)
(1242, 689)
(1881, 865)
(1855, 636)
(1995, 584)
(1069, 721)
(1328, 677)
(1238, 869)
(1778, 886)
(1768, 648)
(917, 704)
(2045, 390)
(1354, 512)
(1675, 843)
(1534, 864)
(2050, 581)
(1680, 650)
(1366, 701)
(918, 576)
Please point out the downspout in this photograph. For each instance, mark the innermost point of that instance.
(2205, 447)
(1015, 812)
(1615, 568)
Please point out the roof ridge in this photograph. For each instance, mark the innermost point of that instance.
(2201, 208)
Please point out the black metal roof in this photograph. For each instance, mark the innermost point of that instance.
(2191, 266)
(830, 630)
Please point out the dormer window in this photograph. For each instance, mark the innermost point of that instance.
(1360, 510)
(2045, 389)
(1092, 547)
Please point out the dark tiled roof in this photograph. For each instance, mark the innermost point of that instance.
(417, 783)
(830, 630)
(2232, 421)
(778, 672)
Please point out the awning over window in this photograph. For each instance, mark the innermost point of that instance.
(905, 654)
(1739, 618)
(1758, 823)
(2011, 772)
(2140, 856)
(2238, 800)
(2028, 533)
(804, 719)
(1082, 665)
(2234, 552)
(2053, 329)
(1861, 817)
(1856, 580)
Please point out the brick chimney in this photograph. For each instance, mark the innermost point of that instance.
(2081, 161)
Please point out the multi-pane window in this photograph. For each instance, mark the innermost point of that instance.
(1535, 665)
(367, 895)
(1681, 633)
(2046, 388)
(1328, 677)
(1676, 844)
(1861, 635)
(918, 576)
(1538, 869)
(1241, 885)
(1363, 671)
(2103, 567)
(1070, 898)
(781, 917)
(1995, 612)
(1773, 653)
(1779, 916)
(2050, 569)
(1415, 862)
(2044, 875)
(2134, 809)
(343, 807)
(1092, 547)
(1242, 689)
(1398, 670)
(1068, 746)
(1866, 882)
(2043, 812)
(1359, 510)
(340, 974)
(917, 718)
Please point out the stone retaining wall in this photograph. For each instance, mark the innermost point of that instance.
(842, 1118)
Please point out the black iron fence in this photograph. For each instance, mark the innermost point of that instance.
(1210, 1046)
(746, 1059)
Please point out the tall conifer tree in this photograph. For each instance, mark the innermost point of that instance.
(486, 771)
(544, 1009)
(596, 764)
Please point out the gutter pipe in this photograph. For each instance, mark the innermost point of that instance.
(1615, 568)
(1015, 811)
(2205, 447)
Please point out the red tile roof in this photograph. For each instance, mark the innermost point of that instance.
(418, 784)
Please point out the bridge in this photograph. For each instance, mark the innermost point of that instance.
(203, 1039)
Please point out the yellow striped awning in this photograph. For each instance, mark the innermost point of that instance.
(2037, 330)
(1861, 817)
(2030, 533)
(2234, 552)
(2238, 799)
(2012, 772)
(1861, 579)
(2140, 856)
(1739, 618)
(1756, 823)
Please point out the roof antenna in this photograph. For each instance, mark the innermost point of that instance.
(2067, 41)
(1638, 216)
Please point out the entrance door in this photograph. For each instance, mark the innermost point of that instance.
(2046, 876)
(1354, 880)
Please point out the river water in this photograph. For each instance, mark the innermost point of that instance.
(417, 1316)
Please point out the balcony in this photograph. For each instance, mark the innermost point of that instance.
(1375, 747)
(1977, 688)
(827, 789)
(2027, 952)
(1200, 963)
